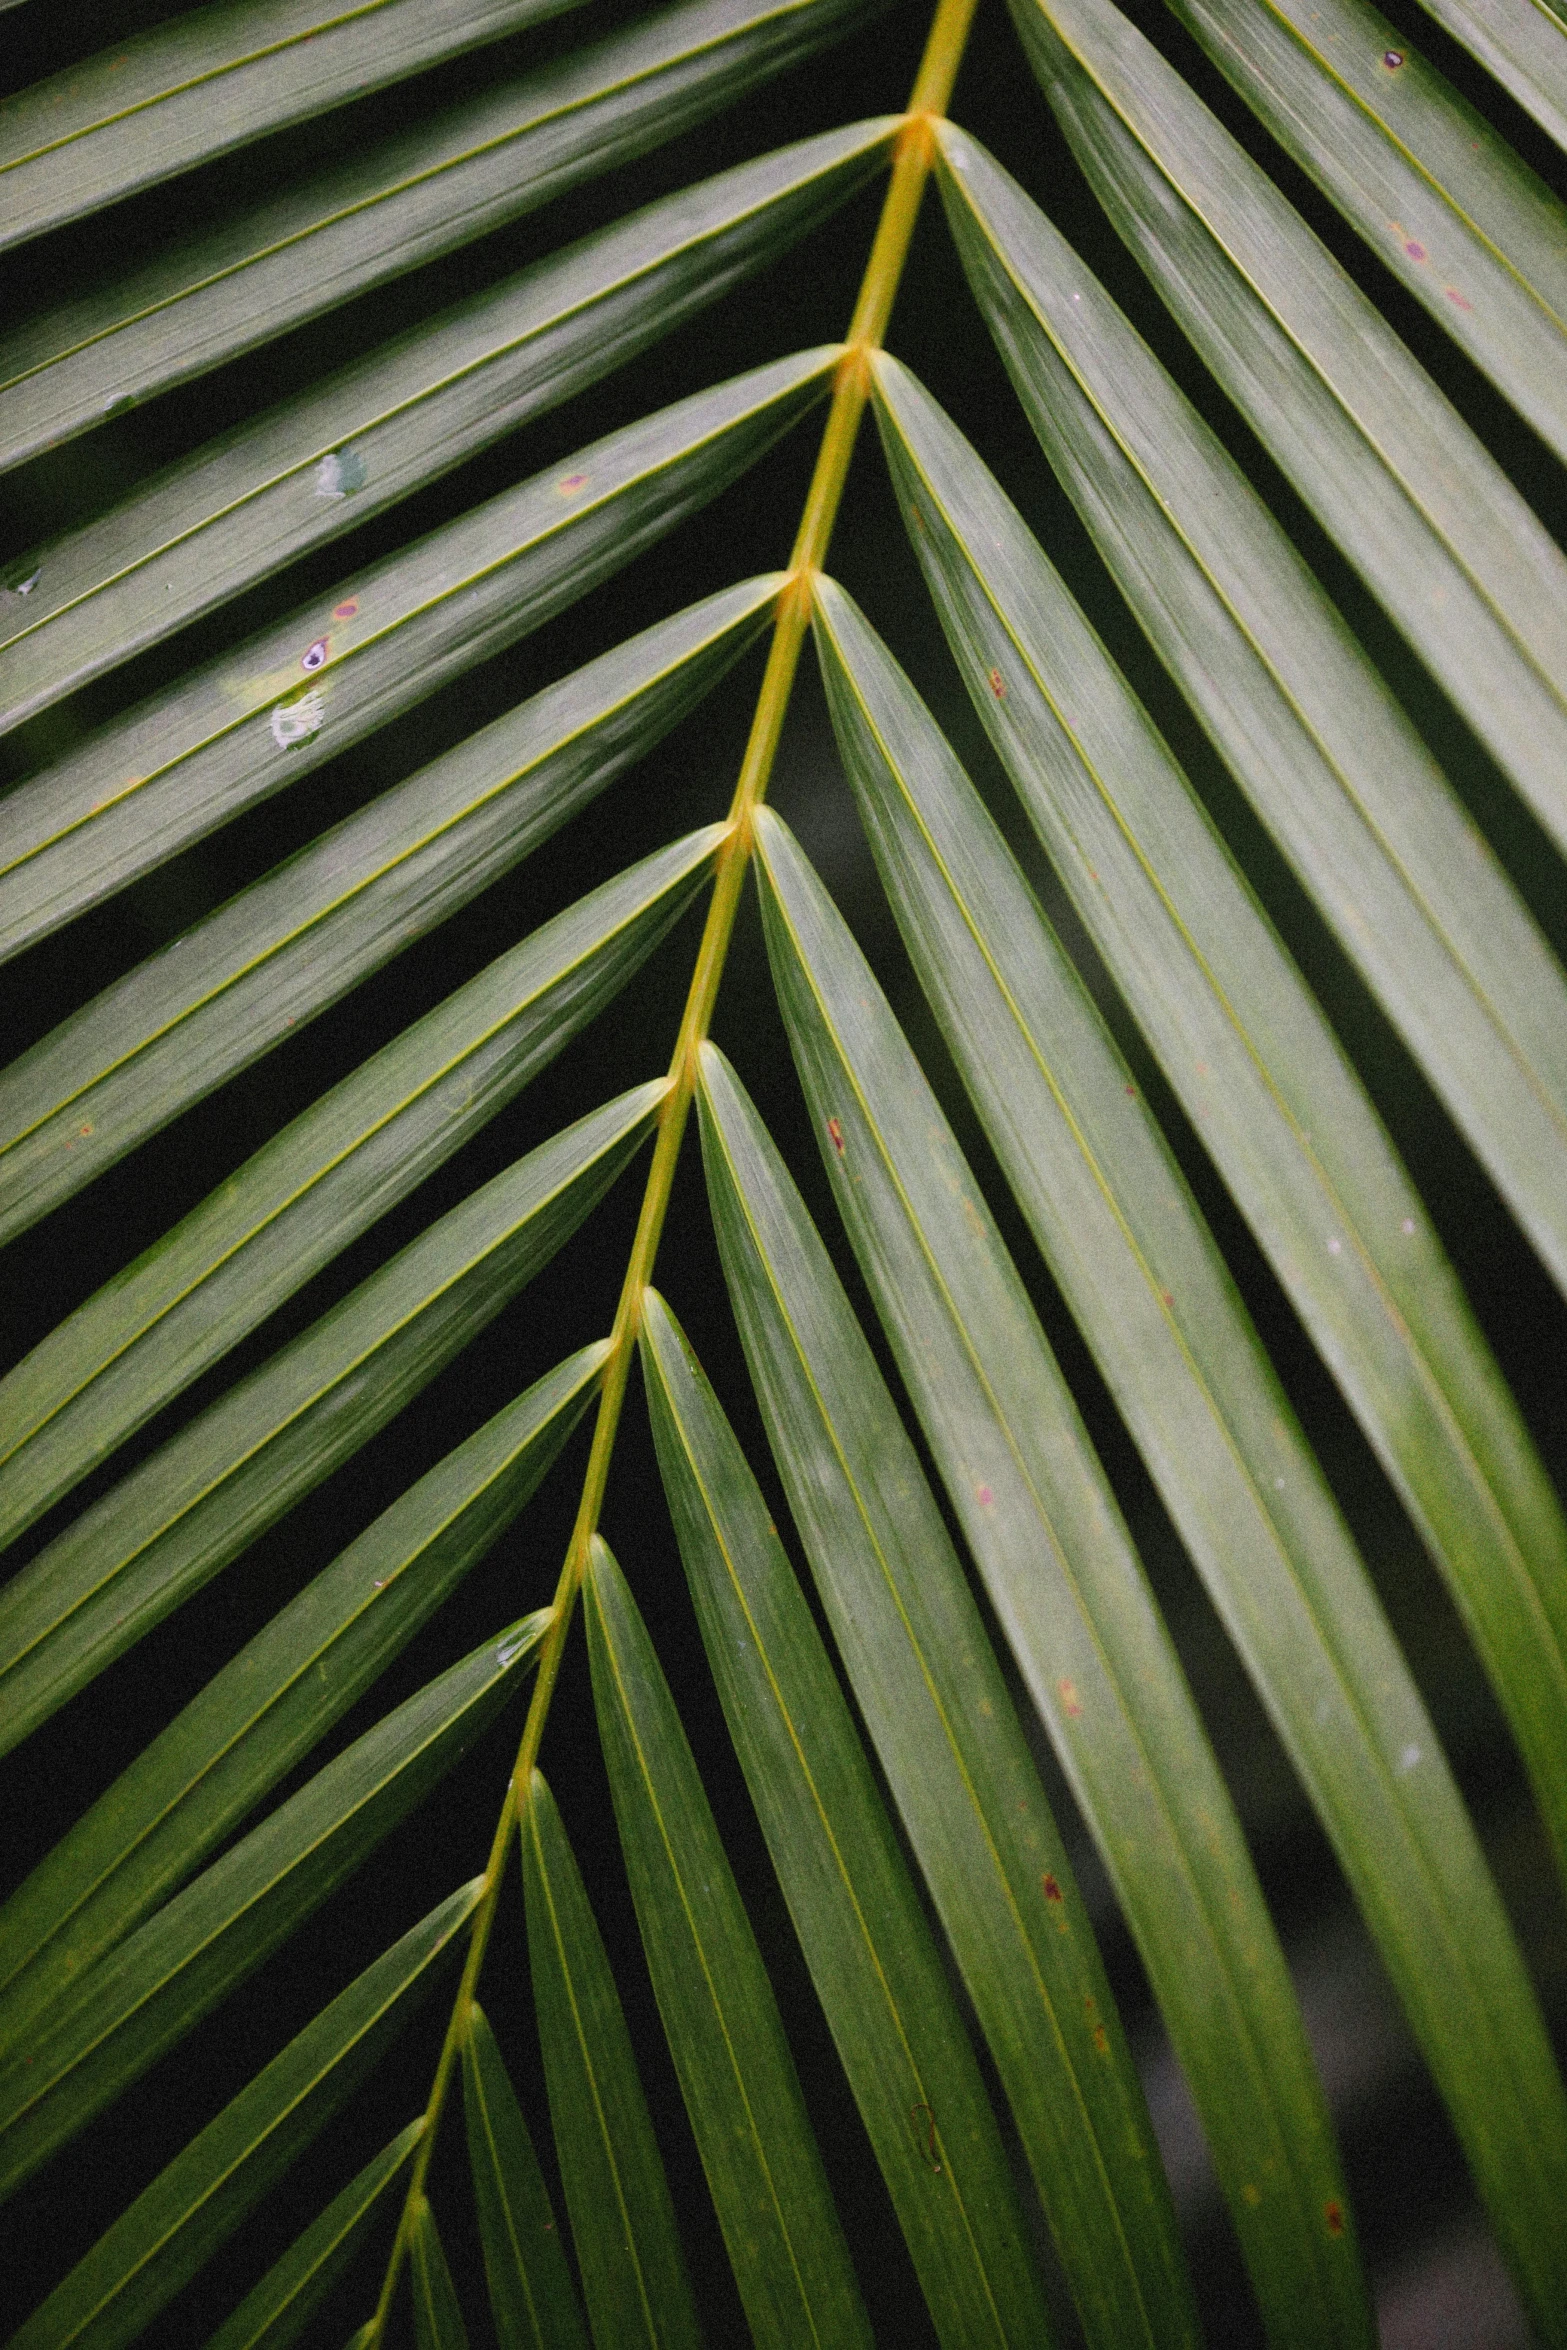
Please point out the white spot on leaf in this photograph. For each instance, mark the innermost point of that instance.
(295, 722)
(340, 473)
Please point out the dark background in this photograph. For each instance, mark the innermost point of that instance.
(1437, 2278)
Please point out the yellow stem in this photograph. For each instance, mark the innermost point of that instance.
(912, 159)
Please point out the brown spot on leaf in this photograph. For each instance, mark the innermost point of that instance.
(1070, 1698)
(836, 1131)
(1052, 1889)
(997, 684)
(927, 2133)
(1334, 2215)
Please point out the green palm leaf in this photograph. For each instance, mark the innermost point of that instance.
(144, 1997)
(1412, 499)
(1285, 1578)
(1256, 1068)
(1310, 733)
(185, 92)
(937, 1709)
(622, 2219)
(413, 198)
(858, 1917)
(382, 426)
(272, 1702)
(532, 2299)
(284, 272)
(261, 967)
(339, 1166)
(1438, 195)
(1063, 1580)
(253, 723)
(130, 1558)
(148, 568)
(286, 2299)
(1524, 43)
(438, 2321)
(724, 2031)
(194, 2205)
(320, 466)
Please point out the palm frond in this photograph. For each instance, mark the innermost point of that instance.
(1096, 1199)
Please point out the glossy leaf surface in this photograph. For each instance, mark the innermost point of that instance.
(937, 1711)
(1149, 1292)
(1439, 196)
(272, 1702)
(1407, 492)
(257, 970)
(321, 462)
(720, 2018)
(532, 2299)
(129, 582)
(212, 80)
(425, 191)
(325, 461)
(250, 724)
(1260, 1075)
(175, 2226)
(328, 1176)
(144, 1997)
(130, 1558)
(282, 2305)
(1060, 1570)
(622, 2220)
(1524, 43)
(415, 407)
(1310, 732)
(858, 1917)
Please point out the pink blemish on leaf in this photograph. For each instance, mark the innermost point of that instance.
(1070, 1698)
(1168, 1296)
(984, 1496)
(314, 656)
(1415, 250)
(1392, 59)
(345, 611)
(1052, 1889)
(1458, 300)
(571, 483)
(1131, 1092)
(997, 684)
(1333, 2213)
(836, 1131)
